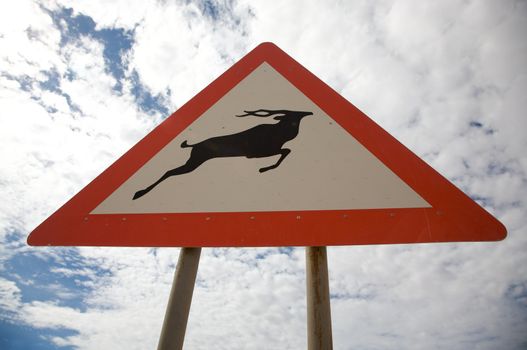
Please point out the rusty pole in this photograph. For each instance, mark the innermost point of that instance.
(319, 335)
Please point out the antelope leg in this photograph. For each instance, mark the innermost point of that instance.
(283, 153)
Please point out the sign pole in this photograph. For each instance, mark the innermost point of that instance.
(319, 335)
(176, 315)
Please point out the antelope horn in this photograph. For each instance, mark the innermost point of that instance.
(258, 113)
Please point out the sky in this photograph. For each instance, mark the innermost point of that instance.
(82, 82)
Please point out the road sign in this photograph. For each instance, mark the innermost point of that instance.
(267, 155)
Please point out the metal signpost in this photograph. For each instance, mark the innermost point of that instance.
(319, 335)
(178, 308)
(266, 155)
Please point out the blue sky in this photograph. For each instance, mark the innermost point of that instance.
(81, 82)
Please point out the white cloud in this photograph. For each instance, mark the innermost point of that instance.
(161, 56)
(112, 13)
(103, 127)
(10, 298)
(424, 71)
(29, 40)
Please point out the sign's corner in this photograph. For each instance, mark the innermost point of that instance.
(268, 46)
(30, 240)
(502, 231)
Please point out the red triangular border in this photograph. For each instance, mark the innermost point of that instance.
(453, 217)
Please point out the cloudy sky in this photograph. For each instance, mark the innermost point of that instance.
(80, 83)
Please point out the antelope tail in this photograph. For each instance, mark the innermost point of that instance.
(185, 144)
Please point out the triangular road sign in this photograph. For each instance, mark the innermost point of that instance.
(267, 155)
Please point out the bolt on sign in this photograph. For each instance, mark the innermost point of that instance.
(267, 155)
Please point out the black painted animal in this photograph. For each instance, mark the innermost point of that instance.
(263, 140)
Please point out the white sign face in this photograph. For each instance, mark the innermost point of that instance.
(226, 163)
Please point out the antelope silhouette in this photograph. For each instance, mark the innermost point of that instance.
(263, 140)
